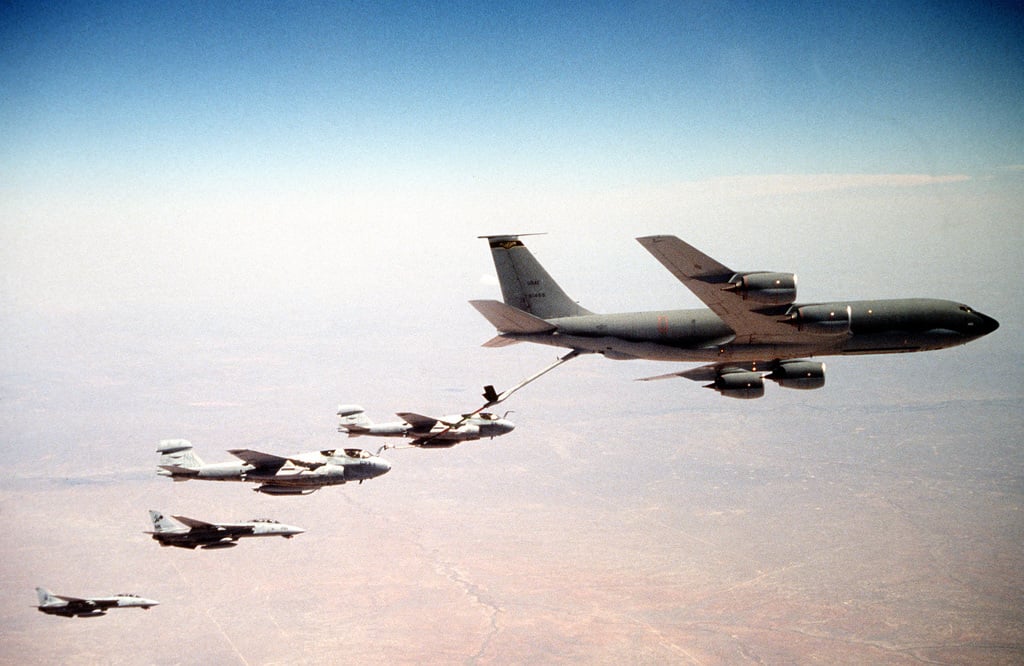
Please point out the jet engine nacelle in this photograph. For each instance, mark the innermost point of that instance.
(742, 385)
(765, 287)
(799, 374)
(331, 471)
(825, 319)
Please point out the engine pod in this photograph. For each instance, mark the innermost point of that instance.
(799, 374)
(765, 287)
(742, 385)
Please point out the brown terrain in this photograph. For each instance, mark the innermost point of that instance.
(876, 521)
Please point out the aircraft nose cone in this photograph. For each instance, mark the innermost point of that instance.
(383, 466)
(988, 324)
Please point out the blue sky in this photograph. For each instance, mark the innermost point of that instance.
(158, 144)
(612, 92)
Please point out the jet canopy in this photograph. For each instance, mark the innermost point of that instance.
(359, 454)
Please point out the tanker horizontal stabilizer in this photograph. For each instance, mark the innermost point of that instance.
(508, 319)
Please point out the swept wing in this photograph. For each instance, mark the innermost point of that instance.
(718, 285)
(710, 372)
(262, 460)
(76, 605)
(418, 421)
(196, 524)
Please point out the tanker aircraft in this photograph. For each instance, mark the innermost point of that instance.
(301, 474)
(58, 604)
(425, 431)
(754, 328)
(185, 532)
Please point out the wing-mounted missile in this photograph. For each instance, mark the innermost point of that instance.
(765, 287)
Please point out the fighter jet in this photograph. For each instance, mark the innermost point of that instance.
(753, 328)
(301, 474)
(192, 533)
(58, 604)
(425, 431)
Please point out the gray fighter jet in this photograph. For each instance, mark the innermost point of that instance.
(58, 604)
(425, 431)
(187, 532)
(301, 474)
(754, 328)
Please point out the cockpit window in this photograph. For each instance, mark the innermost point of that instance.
(357, 453)
(964, 308)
